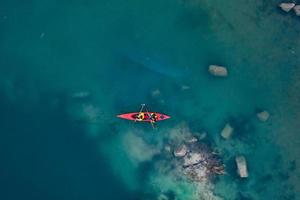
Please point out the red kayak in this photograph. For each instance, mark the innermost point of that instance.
(133, 116)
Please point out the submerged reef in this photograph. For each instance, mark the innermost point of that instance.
(187, 159)
(200, 162)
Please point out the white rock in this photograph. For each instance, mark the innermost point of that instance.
(297, 10)
(286, 6)
(192, 159)
(242, 166)
(181, 151)
(227, 131)
(217, 70)
(263, 116)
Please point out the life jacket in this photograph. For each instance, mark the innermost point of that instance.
(141, 116)
(153, 116)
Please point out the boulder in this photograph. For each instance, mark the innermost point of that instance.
(297, 10)
(287, 6)
(263, 116)
(180, 151)
(216, 70)
(227, 131)
(241, 166)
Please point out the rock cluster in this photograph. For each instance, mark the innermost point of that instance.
(287, 7)
(197, 161)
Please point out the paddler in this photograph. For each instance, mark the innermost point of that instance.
(153, 117)
(140, 116)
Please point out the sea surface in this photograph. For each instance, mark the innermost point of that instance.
(67, 68)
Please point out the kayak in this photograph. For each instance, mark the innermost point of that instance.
(132, 116)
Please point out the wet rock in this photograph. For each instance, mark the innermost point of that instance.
(297, 10)
(181, 151)
(242, 166)
(200, 163)
(227, 131)
(286, 6)
(216, 70)
(263, 116)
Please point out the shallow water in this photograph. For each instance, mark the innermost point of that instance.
(55, 146)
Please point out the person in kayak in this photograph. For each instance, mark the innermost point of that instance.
(153, 117)
(140, 116)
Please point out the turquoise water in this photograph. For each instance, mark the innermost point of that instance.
(54, 145)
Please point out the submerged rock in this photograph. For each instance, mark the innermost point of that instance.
(90, 112)
(185, 87)
(167, 148)
(297, 10)
(216, 70)
(202, 135)
(181, 151)
(155, 93)
(263, 116)
(287, 6)
(192, 140)
(227, 131)
(162, 197)
(242, 166)
(81, 95)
